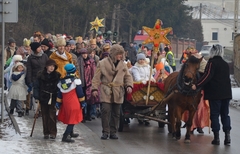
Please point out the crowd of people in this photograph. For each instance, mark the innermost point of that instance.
(82, 77)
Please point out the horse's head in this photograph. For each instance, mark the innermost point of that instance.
(190, 71)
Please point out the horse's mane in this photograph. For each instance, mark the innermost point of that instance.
(193, 60)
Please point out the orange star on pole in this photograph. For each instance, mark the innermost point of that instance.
(157, 35)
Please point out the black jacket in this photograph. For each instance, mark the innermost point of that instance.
(216, 80)
(47, 83)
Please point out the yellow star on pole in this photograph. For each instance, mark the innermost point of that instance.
(96, 24)
(157, 35)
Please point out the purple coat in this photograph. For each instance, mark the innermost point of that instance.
(87, 68)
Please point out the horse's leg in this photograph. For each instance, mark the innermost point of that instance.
(172, 121)
(189, 125)
(178, 123)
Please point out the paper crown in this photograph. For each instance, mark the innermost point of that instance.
(93, 41)
(79, 38)
(26, 42)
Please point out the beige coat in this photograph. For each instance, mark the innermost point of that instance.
(112, 81)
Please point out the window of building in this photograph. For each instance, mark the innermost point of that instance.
(214, 35)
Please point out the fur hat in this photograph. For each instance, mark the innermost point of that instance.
(140, 56)
(216, 50)
(61, 42)
(46, 42)
(70, 68)
(18, 64)
(93, 41)
(116, 49)
(26, 42)
(50, 62)
(72, 42)
(17, 58)
(34, 46)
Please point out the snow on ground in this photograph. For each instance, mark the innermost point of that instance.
(10, 142)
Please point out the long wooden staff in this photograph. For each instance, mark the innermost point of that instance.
(149, 82)
(35, 118)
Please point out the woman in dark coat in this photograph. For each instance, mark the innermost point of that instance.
(47, 92)
(87, 68)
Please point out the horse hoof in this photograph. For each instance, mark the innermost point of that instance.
(187, 141)
(178, 138)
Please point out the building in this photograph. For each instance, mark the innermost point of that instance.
(217, 18)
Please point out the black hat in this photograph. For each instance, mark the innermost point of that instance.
(46, 42)
(166, 49)
(11, 40)
(50, 62)
(34, 46)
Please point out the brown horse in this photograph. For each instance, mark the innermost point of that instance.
(180, 96)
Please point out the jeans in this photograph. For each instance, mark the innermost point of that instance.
(220, 107)
(69, 129)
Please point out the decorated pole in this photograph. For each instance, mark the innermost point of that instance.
(96, 24)
(157, 35)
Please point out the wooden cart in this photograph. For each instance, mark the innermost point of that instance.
(136, 106)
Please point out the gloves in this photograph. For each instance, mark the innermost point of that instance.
(58, 105)
(83, 104)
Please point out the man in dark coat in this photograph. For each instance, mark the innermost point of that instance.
(217, 87)
(131, 53)
(35, 63)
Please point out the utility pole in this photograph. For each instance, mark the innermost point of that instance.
(200, 12)
(236, 17)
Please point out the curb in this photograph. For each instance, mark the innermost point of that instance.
(14, 122)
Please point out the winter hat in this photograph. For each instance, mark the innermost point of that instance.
(50, 62)
(83, 51)
(11, 40)
(70, 68)
(216, 50)
(17, 58)
(166, 49)
(105, 54)
(46, 42)
(140, 56)
(72, 42)
(159, 66)
(116, 49)
(34, 46)
(61, 42)
(18, 64)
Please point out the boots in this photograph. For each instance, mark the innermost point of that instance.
(67, 138)
(227, 140)
(11, 111)
(27, 112)
(216, 140)
(74, 135)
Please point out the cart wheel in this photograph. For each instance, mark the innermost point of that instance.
(161, 124)
(121, 121)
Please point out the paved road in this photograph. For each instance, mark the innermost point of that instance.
(141, 139)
